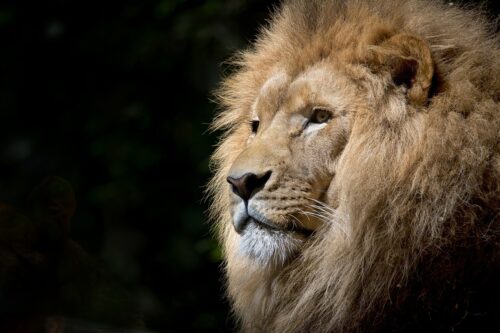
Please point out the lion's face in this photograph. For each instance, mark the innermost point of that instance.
(283, 181)
(292, 138)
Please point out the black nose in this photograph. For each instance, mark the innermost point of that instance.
(248, 184)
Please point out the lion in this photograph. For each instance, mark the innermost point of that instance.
(357, 182)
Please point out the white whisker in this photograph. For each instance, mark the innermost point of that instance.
(328, 215)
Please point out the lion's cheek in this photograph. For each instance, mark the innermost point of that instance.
(332, 195)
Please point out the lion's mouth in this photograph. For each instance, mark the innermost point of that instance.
(272, 227)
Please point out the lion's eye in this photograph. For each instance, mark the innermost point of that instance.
(255, 125)
(320, 115)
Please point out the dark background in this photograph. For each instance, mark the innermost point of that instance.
(114, 97)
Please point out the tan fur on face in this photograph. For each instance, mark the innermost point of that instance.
(415, 174)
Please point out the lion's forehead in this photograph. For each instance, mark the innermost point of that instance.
(319, 84)
(278, 79)
(269, 95)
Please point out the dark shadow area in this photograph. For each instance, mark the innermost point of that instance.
(113, 97)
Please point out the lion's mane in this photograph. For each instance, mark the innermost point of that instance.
(422, 247)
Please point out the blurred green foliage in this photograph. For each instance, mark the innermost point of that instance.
(114, 97)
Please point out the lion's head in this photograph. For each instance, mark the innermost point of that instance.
(361, 148)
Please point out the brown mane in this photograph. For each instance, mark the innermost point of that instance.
(422, 192)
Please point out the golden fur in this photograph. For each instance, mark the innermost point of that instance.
(404, 175)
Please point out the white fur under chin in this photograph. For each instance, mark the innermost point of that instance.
(269, 247)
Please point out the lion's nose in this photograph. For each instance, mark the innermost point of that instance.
(248, 184)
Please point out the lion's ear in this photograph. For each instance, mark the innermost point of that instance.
(408, 60)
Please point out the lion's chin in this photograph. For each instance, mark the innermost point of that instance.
(269, 247)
